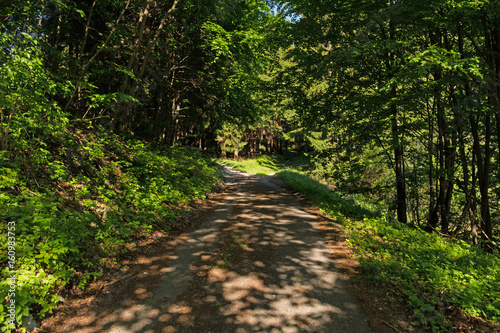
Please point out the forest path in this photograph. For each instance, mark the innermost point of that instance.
(257, 263)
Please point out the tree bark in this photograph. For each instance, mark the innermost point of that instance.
(398, 167)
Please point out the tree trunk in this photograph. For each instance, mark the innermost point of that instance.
(398, 167)
(432, 219)
(446, 179)
(469, 211)
(483, 169)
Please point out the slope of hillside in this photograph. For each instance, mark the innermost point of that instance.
(73, 200)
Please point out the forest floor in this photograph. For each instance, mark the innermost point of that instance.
(253, 258)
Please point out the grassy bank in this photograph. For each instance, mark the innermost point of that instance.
(335, 204)
(78, 198)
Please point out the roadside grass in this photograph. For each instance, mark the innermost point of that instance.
(430, 273)
(265, 164)
(332, 203)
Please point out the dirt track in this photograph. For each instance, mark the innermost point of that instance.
(257, 263)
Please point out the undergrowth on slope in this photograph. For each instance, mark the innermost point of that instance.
(71, 195)
(73, 198)
(430, 273)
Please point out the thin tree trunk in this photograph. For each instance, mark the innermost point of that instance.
(469, 189)
(87, 28)
(483, 169)
(398, 167)
(397, 144)
(447, 173)
(432, 221)
(171, 133)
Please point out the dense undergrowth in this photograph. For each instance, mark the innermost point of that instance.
(432, 273)
(429, 272)
(75, 197)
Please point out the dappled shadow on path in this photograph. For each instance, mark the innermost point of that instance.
(256, 265)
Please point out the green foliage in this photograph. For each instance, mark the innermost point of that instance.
(398, 84)
(230, 139)
(429, 271)
(26, 90)
(353, 169)
(404, 88)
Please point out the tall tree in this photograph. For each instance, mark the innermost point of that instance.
(396, 73)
